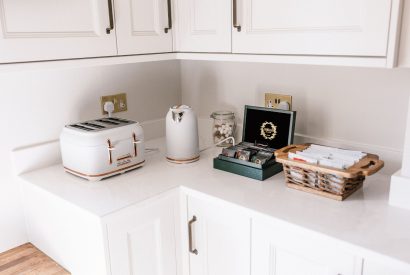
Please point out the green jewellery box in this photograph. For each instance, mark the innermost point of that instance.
(265, 129)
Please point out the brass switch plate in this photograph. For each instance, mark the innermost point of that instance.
(119, 100)
(273, 100)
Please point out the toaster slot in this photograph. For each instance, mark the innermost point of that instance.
(118, 120)
(105, 121)
(93, 125)
(81, 127)
(100, 124)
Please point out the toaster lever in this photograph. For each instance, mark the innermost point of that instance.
(135, 142)
(110, 148)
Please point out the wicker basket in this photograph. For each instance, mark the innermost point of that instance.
(325, 181)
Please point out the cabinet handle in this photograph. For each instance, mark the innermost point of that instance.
(235, 16)
(169, 17)
(110, 148)
(191, 249)
(111, 15)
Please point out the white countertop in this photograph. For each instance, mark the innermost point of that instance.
(364, 219)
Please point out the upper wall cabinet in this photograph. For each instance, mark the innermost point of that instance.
(204, 26)
(404, 60)
(315, 27)
(143, 26)
(49, 29)
(64, 29)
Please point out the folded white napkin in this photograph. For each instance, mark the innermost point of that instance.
(328, 156)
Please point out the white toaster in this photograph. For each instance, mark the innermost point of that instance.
(102, 148)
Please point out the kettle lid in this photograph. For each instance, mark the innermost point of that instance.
(180, 108)
(178, 112)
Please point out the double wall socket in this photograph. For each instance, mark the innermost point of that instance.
(119, 100)
(278, 101)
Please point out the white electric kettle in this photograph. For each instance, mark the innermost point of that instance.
(182, 135)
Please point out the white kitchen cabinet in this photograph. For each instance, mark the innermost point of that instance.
(317, 27)
(219, 239)
(143, 26)
(141, 239)
(373, 267)
(49, 29)
(404, 57)
(204, 26)
(281, 250)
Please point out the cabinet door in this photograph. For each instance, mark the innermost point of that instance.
(204, 26)
(48, 29)
(142, 26)
(373, 267)
(221, 237)
(141, 240)
(315, 27)
(278, 250)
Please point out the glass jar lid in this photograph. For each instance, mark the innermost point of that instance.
(223, 115)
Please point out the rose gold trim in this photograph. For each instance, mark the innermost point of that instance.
(183, 160)
(125, 157)
(122, 164)
(105, 174)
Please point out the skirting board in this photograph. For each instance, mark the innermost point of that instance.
(41, 155)
(400, 191)
(35, 156)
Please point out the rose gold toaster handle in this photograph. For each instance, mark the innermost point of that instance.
(135, 142)
(110, 148)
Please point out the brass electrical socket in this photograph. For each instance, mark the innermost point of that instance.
(273, 100)
(119, 100)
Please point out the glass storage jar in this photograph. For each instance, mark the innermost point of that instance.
(223, 127)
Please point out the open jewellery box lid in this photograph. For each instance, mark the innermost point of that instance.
(269, 127)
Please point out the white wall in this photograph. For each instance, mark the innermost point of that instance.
(36, 105)
(350, 107)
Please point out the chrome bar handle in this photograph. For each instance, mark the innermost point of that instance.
(191, 249)
(111, 15)
(135, 141)
(235, 15)
(110, 149)
(169, 4)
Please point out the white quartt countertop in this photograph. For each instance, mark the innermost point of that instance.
(364, 219)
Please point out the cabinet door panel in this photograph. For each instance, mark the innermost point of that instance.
(204, 26)
(142, 240)
(317, 27)
(141, 26)
(281, 250)
(48, 29)
(372, 267)
(222, 237)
